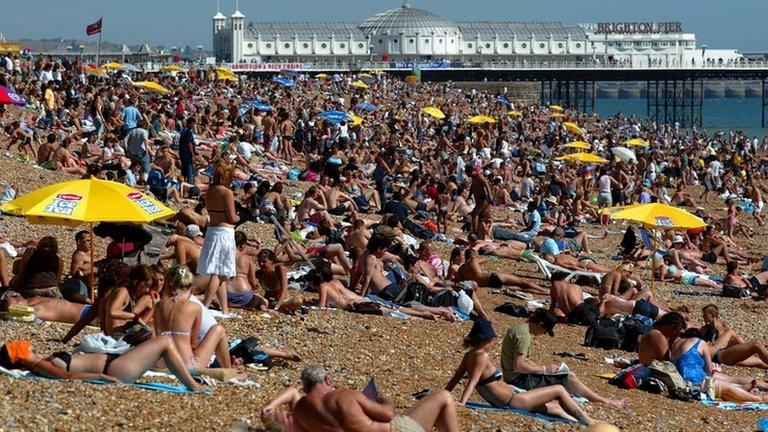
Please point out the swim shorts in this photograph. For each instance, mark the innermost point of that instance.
(644, 307)
(494, 281)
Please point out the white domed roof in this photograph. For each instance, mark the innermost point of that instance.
(408, 21)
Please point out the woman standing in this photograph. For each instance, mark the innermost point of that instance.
(217, 259)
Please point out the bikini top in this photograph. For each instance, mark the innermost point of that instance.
(172, 332)
(497, 375)
(63, 356)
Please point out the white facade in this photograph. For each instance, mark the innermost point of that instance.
(407, 33)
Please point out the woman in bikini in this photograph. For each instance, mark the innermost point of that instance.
(120, 307)
(489, 383)
(217, 259)
(273, 278)
(240, 291)
(178, 317)
(115, 368)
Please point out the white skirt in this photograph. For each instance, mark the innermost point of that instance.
(218, 254)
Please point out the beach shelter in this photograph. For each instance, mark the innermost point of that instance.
(556, 108)
(434, 112)
(9, 97)
(151, 86)
(77, 202)
(583, 157)
(573, 128)
(579, 145)
(359, 84)
(172, 68)
(636, 142)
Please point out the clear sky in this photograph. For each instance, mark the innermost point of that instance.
(738, 24)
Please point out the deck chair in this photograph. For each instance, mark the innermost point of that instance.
(547, 268)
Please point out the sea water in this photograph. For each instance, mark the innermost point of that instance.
(718, 114)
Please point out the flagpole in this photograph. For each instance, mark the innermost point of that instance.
(98, 50)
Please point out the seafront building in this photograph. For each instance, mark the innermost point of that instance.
(410, 34)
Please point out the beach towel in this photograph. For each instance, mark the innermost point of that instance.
(762, 424)
(168, 388)
(520, 412)
(733, 406)
(697, 293)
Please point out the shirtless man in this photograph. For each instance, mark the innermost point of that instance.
(358, 236)
(472, 270)
(325, 409)
(551, 252)
(50, 309)
(46, 150)
(311, 209)
(567, 301)
(481, 194)
(619, 283)
(287, 132)
(240, 292)
(610, 304)
(164, 160)
(335, 295)
(368, 273)
(63, 160)
(338, 202)
(186, 249)
(654, 345)
(80, 265)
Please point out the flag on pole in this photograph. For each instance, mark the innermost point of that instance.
(94, 28)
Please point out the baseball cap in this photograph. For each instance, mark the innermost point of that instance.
(193, 231)
(677, 239)
(482, 330)
(546, 319)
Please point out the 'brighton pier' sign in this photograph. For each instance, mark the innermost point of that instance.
(639, 27)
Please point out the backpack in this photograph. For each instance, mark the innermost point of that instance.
(604, 333)
(632, 328)
(631, 377)
(248, 351)
(667, 373)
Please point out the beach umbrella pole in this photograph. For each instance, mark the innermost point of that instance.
(91, 286)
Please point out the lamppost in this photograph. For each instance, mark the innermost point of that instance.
(81, 48)
(703, 52)
(200, 54)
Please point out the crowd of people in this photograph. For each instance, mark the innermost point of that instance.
(381, 189)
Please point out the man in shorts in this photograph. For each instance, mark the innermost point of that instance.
(324, 408)
(472, 270)
(611, 304)
(521, 372)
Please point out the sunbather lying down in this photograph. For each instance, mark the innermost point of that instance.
(116, 368)
(334, 294)
(48, 309)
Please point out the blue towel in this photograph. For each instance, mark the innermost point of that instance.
(762, 424)
(733, 406)
(521, 412)
(168, 388)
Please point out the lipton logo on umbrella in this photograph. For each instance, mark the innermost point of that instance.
(135, 196)
(663, 221)
(69, 197)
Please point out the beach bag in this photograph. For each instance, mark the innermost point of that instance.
(136, 334)
(667, 373)
(604, 333)
(367, 308)
(734, 291)
(632, 328)
(631, 377)
(585, 314)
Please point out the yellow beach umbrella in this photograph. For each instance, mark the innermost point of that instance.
(636, 142)
(583, 157)
(100, 72)
(657, 215)
(557, 115)
(573, 128)
(480, 119)
(112, 65)
(515, 113)
(556, 108)
(224, 73)
(78, 202)
(359, 84)
(411, 79)
(434, 112)
(581, 145)
(151, 86)
(322, 76)
(172, 68)
(354, 120)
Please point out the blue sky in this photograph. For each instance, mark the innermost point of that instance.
(736, 24)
